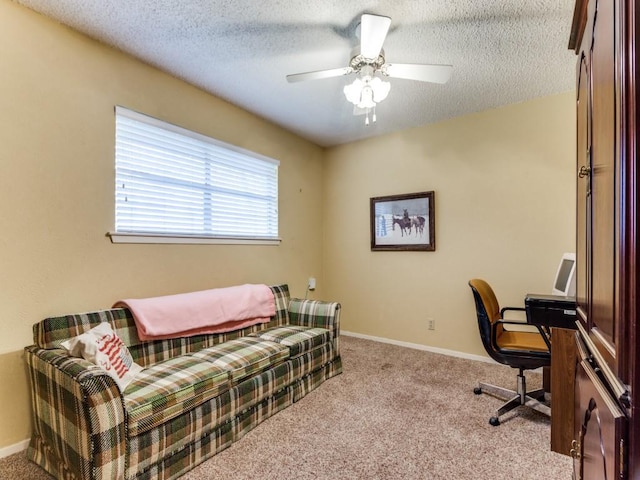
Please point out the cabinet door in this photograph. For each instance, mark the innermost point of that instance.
(583, 189)
(598, 449)
(603, 172)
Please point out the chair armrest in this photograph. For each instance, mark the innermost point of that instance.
(78, 413)
(316, 313)
(515, 309)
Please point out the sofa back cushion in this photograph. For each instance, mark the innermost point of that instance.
(51, 332)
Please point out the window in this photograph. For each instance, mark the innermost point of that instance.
(177, 186)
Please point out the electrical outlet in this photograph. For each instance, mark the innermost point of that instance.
(431, 324)
(312, 283)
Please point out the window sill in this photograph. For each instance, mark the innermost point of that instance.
(150, 238)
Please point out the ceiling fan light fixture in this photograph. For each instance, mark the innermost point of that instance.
(367, 91)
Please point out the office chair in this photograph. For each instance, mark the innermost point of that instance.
(521, 350)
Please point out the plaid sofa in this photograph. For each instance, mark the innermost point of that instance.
(195, 396)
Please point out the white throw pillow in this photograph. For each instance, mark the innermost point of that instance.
(104, 348)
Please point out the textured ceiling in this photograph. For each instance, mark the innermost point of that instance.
(503, 51)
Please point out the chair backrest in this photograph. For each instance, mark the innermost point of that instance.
(488, 299)
(488, 311)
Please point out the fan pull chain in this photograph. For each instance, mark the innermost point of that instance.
(373, 116)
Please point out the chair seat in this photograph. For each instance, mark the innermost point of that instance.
(521, 341)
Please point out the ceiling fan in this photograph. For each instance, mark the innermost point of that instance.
(367, 60)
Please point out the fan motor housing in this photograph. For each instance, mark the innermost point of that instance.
(358, 60)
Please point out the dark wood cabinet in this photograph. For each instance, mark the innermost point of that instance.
(598, 449)
(563, 373)
(597, 455)
(606, 442)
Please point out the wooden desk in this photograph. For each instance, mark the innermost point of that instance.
(563, 371)
(558, 315)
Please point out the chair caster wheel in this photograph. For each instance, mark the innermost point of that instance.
(495, 421)
(477, 390)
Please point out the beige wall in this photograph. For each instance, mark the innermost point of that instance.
(57, 95)
(505, 209)
(504, 203)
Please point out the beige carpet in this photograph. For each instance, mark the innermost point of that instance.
(395, 413)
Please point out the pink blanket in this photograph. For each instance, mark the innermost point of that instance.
(208, 311)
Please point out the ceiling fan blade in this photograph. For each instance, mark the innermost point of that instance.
(319, 74)
(373, 31)
(422, 73)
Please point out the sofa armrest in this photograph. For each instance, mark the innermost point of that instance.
(78, 416)
(316, 313)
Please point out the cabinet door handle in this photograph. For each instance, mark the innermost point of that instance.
(584, 171)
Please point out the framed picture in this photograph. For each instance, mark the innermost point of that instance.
(403, 222)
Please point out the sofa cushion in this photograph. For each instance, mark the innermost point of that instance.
(244, 356)
(296, 338)
(170, 388)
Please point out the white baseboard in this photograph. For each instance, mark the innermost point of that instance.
(417, 346)
(15, 448)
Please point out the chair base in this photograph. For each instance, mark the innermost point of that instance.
(533, 400)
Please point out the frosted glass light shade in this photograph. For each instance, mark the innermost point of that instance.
(353, 91)
(380, 89)
(367, 91)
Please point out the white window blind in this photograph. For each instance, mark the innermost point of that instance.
(171, 181)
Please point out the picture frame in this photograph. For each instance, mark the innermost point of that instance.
(403, 222)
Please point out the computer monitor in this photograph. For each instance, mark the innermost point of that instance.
(565, 281)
